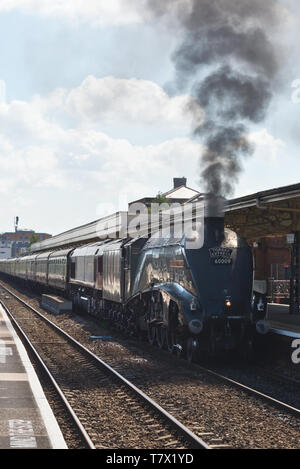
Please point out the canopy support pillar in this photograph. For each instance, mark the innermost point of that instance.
(295, 275)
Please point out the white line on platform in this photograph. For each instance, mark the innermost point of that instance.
(52, 427)
(4, 352)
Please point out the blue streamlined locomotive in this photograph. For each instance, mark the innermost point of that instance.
(183, 299)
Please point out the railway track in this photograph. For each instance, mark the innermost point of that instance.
(78, 376)
(254, 392)
(269, 384)
(217, 408)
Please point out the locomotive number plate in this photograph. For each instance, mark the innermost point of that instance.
(220, 256)
(222, 261)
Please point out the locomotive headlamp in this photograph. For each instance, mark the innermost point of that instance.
(228, 302)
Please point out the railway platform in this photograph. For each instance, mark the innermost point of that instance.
(279, 321)
(26, 419)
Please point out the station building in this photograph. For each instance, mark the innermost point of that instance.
(15, 243)
(5, 250)
(180, 194)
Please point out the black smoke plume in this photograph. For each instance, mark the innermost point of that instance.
(227, 57)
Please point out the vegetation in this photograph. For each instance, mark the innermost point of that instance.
(160, 199)
(34, 239)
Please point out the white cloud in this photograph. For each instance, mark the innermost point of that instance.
(57, 142)
(55, 145)
(267, 147)
(31, 166)
(94, 12)
(119, 98)
(109, 100)
(96, 102)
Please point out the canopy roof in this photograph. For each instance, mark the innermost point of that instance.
(273, 212)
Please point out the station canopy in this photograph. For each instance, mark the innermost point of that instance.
(273, 212)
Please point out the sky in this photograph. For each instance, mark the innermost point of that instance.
(89, 119)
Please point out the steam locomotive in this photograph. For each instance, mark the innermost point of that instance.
(186, 300)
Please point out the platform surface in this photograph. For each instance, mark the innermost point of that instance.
(26, 419)
(280, 321)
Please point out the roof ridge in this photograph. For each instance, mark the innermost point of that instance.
(179, 187)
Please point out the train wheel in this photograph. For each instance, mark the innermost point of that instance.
(161, 337)
(151, 334)
(192, 350)
(172, 336)
(247, 350)
(170, 339)
(173, 342)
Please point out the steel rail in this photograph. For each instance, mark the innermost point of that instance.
(197, 443)
(49, 375)
(254, 392)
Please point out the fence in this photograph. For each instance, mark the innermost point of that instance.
(279, 283)
(278, 290)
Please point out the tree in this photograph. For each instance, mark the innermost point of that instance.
(34, 239)
(160, 199)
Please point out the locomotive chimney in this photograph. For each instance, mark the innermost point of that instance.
(214, 219)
